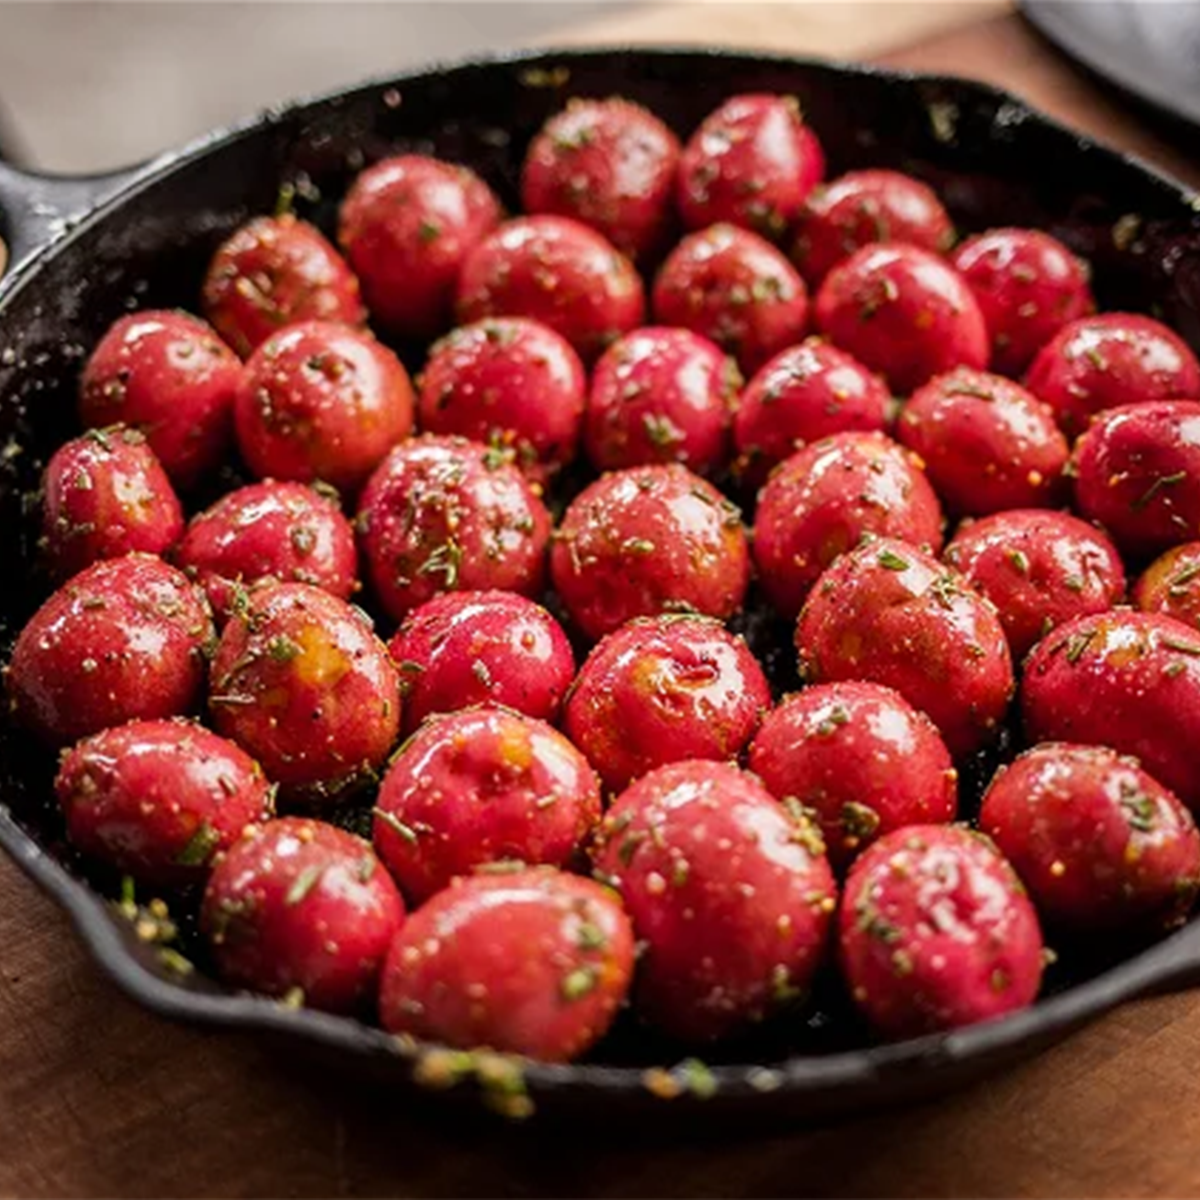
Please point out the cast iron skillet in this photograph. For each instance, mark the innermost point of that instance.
(87, 250)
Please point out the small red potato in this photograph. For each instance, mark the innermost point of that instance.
(1171, 585)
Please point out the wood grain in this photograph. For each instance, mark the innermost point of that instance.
(99, 1098)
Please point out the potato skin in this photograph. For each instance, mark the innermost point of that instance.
(936, 932)
(297, 903)
(160, 800)
(1122, 679)
(752, 162)
(534, 963)
(465, 648)
(168, 375)
(302, 683)
(661, 690)
(904, 312)
(446, 514)
(861, 758)
(1039, 568)
(888, 613)
(123, 640)
(1101, 846)
(610, 164)
(729, 890)
(477, 787)
(1137, 473)
(1171, 585)
(648, 540)
(987, 443)
(103, 495)
(821, 501)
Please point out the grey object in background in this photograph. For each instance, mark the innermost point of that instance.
(1149, 48)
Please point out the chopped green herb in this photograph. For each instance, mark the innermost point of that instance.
(661, 430)
(1163, 481)
(1019, 560)
(591, 936)
(394, 823)
(697, 1078)
(580, 982)
(428, 231)
(304, 883)
(1179, 582)
(1077, 644)
(892, 561)
(200, 846)
(1140, 810)
(444, 560)
(282, 649)
(859, 820)
(638, 546)
(1172, 643)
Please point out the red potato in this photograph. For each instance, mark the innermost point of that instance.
(888, 613)
(319, 401)
(277, 271)
(729, 890)
(1171, 585)
(752, 162)
(1127, 680)
(1039, 569)
(168, 375)
(862, 207)
(1029, 285)
(861, 759)
(609, 164)
(160, 800)
(123, 640)
(1108, 360)
(936, 932)
(105, 495)
(287, 532)
(536, 963)
(649, 540)
(301, 682)
(446, 514)
(1100, 845)
(482, 787)
(1137, 473)
(661, 395)
(407, 225)
(903, 312)
(558, 272)
(803, 394)
(661, 690)
(465, 648)
(824, 499)
(986, 442)
(298, 908)
(733, 287)
(510, 382)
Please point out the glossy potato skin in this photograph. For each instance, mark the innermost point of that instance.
(609, 164)
(648, 540)
(103, 495)
(482, 786)
(123, 640)
(536, 963)
(558, 272)
(301, 682)
(321, 402)
(661, 395)
(888, 613)
(936, 932)
(160, 800)
(820, 502)
(1108, 360)
(862, 207)
(752, 162)
(168, 375)
(734, 288)
(282, 531)
(1029, 285)
(1171, 585)
(904, 312)
(297, 903)
(729, 890)
(406, 226)
(861, 758)
(1101, 846)
(987, 443)
(446, 514)
(1123, 679)
(1137, 473)
(661, 690)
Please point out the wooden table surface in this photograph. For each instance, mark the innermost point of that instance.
(98, 1098)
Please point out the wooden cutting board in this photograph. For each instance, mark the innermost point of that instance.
(98, 1098)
